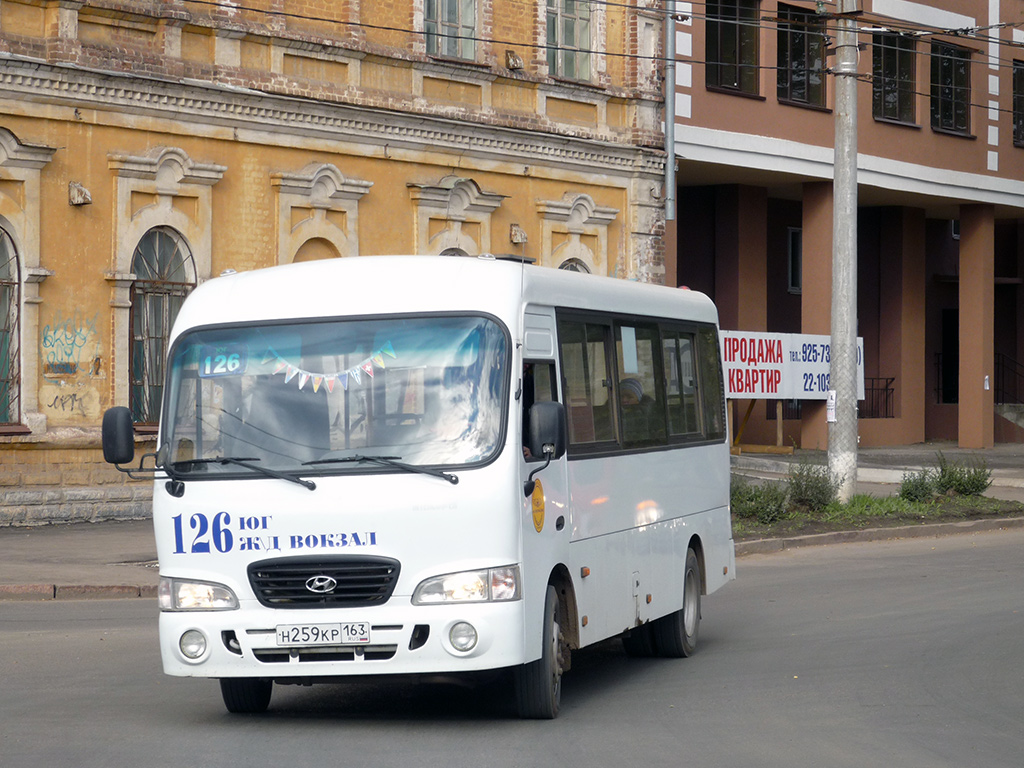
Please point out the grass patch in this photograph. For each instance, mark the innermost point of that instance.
(806, 502)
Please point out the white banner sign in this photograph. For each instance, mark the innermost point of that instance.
(780, 366)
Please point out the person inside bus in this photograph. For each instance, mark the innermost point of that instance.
(634, 411)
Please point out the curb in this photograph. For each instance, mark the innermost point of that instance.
(11, 592)
(770, 546)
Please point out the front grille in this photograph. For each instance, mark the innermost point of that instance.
(362, 580)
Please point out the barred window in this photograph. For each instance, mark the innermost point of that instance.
(165, 274)
(10, 347)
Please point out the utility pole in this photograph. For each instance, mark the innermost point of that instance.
(842, 427)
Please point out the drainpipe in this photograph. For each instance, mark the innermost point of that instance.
(670, 110)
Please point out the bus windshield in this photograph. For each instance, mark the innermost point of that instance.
(334, 396)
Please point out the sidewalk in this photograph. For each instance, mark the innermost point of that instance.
(118, 559)
(78, 560)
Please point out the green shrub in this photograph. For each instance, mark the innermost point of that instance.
(918, 486)
(812, 487)
(766, 502)
(966, 479)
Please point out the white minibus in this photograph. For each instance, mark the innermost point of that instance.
(417, 465)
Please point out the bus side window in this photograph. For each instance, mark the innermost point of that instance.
(712, 389)
(681, 383)
(641, 394)
(584, 349)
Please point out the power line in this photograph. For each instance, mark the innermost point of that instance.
(895, 26)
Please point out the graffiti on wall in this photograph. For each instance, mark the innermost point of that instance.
(70, 345)
(71, 362)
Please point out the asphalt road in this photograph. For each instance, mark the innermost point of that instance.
(883, 654)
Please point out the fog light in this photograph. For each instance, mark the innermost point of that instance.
(193, 644)
(462, 636)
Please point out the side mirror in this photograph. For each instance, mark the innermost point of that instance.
(547, 437)
(547, 428)
(118, 436)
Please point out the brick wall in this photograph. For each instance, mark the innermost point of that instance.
(44, 483)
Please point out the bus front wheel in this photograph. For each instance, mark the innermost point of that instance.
(675, 635)
(538, 685)
(246, 695)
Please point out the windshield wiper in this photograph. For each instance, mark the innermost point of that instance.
(389, 461)
(245, 461)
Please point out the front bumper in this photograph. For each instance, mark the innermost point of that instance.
(405, 640)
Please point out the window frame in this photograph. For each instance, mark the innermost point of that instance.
(709, 401)
(601, 440)
(10, 336)
(950, 102)
(740, 33)
(147, 352)
(445, 30)
(576, 54)
(799, 29)
(890, 51)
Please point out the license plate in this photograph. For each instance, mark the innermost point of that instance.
(350, 633)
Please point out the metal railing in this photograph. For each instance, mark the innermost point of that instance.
(879, 394)
(878, 402)
(1009, 383)
(1008, 386)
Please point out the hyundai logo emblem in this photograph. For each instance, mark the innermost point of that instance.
(321, 584)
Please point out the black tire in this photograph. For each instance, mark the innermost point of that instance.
(639, 642)
(538, 685)
(675, 635)
(246, 695)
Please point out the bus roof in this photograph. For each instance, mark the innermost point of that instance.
(376, 285)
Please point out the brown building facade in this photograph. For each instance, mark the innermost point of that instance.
(940, 256)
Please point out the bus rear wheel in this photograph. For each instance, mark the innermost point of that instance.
(246, 695)
(538, 685)
(675, 635)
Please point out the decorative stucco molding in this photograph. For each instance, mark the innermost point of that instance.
(575, 227)
(317, 203)
(453, 215)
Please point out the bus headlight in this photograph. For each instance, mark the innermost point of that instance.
(181, 595)
(485, 585)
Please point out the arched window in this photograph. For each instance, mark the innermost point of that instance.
(10, 303)
(165, 273)
(574, 265)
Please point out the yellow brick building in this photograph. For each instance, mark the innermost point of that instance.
(148, 146)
